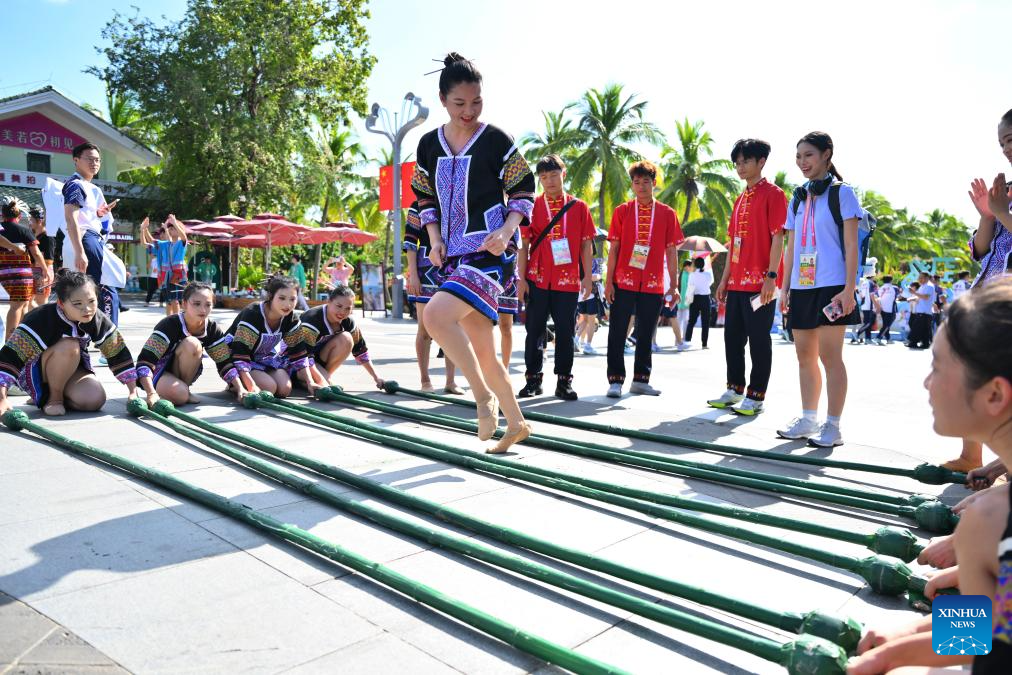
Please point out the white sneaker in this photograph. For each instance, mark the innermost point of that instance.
(685, 346)
(15, 390)
(615, 390)
(588, 349)
(643, 388)
(629, 351)
(749, 407)
(829, 436)
(726, 400)
(577, 346)
(799, 428)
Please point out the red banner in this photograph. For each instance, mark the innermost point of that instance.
(35, 131)
(386, 186)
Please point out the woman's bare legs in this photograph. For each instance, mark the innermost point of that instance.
(70, 385)
(970, 457)
(506, 330)
(806, 346)
(174, 385)
(831, 354)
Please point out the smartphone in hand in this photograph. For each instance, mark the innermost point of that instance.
(833, 311)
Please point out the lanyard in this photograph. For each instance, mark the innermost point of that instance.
(808, 216)
(565, 216)
(636, 215)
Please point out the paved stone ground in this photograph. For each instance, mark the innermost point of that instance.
(103, 572)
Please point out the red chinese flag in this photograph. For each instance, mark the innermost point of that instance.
(386, 186)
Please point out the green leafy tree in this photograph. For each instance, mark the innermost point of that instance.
(611, 123)
(692, 175)
(562, 136)
(234, 85)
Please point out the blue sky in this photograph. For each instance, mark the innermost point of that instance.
(910, 91)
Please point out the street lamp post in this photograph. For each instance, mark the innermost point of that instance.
(412, 114)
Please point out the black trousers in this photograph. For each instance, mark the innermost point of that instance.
(561, 306)
(920, 331)
(700, 307)
(868, 322)
(887, 322)
(647, 307)
(743, 326)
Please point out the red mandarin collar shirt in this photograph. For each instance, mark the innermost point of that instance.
(758, 214)
(576, 226)
(630, 225)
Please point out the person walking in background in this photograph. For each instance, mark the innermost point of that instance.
(821, 262)
(868, 294)
(922, 312)
(887, 299)
(701, 281)
(644, 237)
(554, 265)
(298, 272)
(941, 301)
(590, 307)
(748, 284)
(961, 286)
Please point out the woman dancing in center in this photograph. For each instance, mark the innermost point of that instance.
(464, 168)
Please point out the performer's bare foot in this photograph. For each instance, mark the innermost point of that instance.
(511, 436)
(54, 409)
(193, 399)
(488, 417)
(961, 464)
(426, 386)
(452, 388)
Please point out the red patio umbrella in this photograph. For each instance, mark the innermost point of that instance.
(274, 227)
(343, 235)
(210, 229)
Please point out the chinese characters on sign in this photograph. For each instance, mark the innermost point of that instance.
(35, 131)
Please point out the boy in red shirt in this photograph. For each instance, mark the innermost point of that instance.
(644, 237)
(550, 281)
(756, 234)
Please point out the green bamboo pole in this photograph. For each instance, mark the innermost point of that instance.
(883, 576)
(17, 420)
(930, 474)
(892, 541)
(928, 513)
(844, 632)
(762, 647)
(619, 455)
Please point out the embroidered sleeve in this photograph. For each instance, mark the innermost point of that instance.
(110, 342)
(244, 341)
(298, 350)
(22, 346)
(412, 229)
(158, 344)
(421, 183)
(518, 183)
(216, 346)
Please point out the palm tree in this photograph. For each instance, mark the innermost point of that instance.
(338, 158)
(610, 124)
(780, 180)
(561, 137)
(690, 171)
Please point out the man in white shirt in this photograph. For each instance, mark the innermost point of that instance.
(700, 281)
(920, 316)
(962, 285)
(887, 295)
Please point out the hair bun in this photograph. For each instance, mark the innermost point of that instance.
(451, 58)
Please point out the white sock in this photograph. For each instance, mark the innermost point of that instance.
(810, 415)
(834, 420)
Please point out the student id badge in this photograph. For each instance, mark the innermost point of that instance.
(560, 252)
(806, 269)
(736, 250)
(638, 259)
